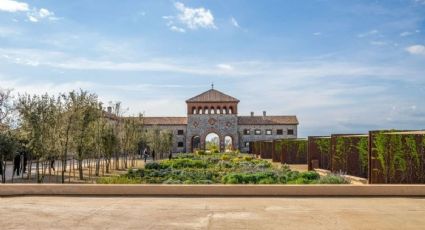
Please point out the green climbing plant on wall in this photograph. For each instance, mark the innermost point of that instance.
(339, 157)
(323, 145)
(301, 149)
(363, 150)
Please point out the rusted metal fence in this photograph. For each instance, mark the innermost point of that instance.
(263, 149)
(292, 151)
(277, 151)
(319, 148)
(387, 157)
(349, 154)
(266, 150)
(397, 157)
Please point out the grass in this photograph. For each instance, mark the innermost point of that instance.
(228, 168)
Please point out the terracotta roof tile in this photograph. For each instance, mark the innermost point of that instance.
(165, 120)
(212, 95)
(267, 120)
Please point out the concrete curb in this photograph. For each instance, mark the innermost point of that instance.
(210, 190)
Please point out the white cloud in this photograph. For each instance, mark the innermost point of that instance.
(247, 69)
(8, 31)
(379, 43)
(36, 15)
(234, 22)
(369, 33)
(177, 29)
(13, 6)
(416, 49)
(317, 34)
(405, 34)
(408, 33)
(33, 15)
(191, 18)
(226, 67)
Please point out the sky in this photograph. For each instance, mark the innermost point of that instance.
(341, 66)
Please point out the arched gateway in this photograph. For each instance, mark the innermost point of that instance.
(213, 112)
(216, 112)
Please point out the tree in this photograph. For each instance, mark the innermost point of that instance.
(109, 145)
(154, 140)
(6, 107)
(38, 117)
(84, 133)
(8, 146)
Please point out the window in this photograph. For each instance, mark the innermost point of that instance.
(258, 132)
(279, 132)
(180, 132)
(180, 144)
(290, 132)
(246, 132)
(247, 144)
(268, 132)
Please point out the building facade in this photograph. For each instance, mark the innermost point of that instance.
(216, 112)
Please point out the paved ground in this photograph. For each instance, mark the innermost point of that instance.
(211, 213)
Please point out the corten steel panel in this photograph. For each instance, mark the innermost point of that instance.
(266, 149)
(255, 147)
(294, 152)
(277, 152)
(314, 153)
(346, 158)
(401, 159)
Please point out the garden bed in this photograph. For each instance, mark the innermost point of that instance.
(229, 168)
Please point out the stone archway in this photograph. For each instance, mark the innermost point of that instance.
(228, 144)
(196, 143)
(212, 142)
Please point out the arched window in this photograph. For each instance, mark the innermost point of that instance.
(218, 111)
(230, 110)
(212, 143)
(193, 110)
(206, 110)
(224, 110)
(196, 143)
(228, 144)
(212, 110)
(200, 110)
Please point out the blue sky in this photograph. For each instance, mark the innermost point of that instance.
(341, 66)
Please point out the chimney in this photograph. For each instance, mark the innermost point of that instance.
(109, 109)
(252, 114)
(264, 113)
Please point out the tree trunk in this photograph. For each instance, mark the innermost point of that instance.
(97, 167)
(108, 162)
(80, 169)
(37, 173)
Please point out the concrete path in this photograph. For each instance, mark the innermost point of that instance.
(211, 213)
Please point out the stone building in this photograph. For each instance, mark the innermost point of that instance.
(216, 112)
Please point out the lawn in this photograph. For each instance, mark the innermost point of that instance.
(218, 168)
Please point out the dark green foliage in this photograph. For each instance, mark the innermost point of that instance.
(400, 158)
(310, 175)
(213, 169)
(333, 179)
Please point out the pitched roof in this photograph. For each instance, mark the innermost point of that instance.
(212, 95)
(165, 120)
(267, 120)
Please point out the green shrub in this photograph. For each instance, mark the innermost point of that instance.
(333, 179)
(217, 168)
(200, 152)
(310, 175)
(152, 165)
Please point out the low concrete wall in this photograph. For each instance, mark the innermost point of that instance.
(212, 190)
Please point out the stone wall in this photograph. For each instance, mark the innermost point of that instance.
(203, 124)
(263, 137)
(176, 138)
